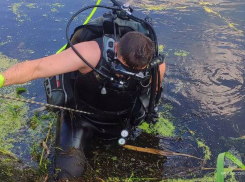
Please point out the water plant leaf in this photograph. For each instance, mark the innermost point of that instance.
(35, 121)
(20, 90)
(13, 110)
(8, 153)
(114, 158)
(206, 150)
(157, 151)
(45, 143)
(220, 165)
(45, 146)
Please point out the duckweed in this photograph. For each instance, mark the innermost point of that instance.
(181, 53)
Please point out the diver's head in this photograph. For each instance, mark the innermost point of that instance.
(135, 50)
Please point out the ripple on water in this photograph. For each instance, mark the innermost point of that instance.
(219, 87)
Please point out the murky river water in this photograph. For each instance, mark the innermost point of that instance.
(204, 46)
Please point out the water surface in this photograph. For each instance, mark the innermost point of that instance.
(204, 47)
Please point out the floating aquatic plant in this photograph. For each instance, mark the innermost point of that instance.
(163, 127)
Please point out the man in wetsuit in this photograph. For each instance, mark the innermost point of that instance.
(134, 51)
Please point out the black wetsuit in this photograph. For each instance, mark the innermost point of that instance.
(110, 111)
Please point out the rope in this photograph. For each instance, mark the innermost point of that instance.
(43, 104)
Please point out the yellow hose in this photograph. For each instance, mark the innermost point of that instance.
(86, 21)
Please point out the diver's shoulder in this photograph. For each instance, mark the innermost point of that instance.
(88, 47)
(91, 52)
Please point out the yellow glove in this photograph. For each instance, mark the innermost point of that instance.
(2, 79)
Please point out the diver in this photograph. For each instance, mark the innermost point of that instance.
(111, 70)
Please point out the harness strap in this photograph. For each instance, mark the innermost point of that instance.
(99, 112)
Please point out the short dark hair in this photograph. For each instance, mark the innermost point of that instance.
(136, 49)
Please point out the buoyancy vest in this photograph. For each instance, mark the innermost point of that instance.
(96, 94)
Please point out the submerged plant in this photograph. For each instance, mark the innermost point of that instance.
(206, 150)
(163, 127)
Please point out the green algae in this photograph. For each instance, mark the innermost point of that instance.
(19, 8)
(205, 3)
(55, 6)
(13, 170)
(160, 48)
(181, 7)
(21, 17)
(8, 153)
(163, 127)
(54, 10)
(168, 107)
(204, 179)
(9, 39)
(6, 62)
(12, 116)
(155, 8)
(206, 150)
(209, 10)
(58, 5)
(151, 7)
(114, 158)
(181, 53)
(161, 7)
(210, 177)
(31, 5)
(15, 8)
(239, 138)
(201, 144)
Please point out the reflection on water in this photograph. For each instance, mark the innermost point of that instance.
(218, 87)
(213, 72)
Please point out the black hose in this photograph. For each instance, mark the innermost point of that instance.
(71, 45)
(159, 88)
(116, 3)
(153, 94)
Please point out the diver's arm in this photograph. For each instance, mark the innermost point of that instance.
(162, 68)
(63, 62)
